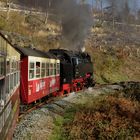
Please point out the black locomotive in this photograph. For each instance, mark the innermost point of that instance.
(76, 68)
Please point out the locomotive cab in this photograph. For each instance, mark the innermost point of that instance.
(82, 65)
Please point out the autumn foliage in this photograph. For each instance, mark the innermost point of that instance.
(105, 118)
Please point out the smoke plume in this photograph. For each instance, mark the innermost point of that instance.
(74, 16)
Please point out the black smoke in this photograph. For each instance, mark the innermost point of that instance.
(74, 16)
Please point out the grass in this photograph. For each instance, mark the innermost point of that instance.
(110, 68)
(58, 123)
(107, 68)
(57, 132)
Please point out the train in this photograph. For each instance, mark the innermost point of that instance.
(28, 75)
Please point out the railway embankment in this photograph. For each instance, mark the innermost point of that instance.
(105, 111)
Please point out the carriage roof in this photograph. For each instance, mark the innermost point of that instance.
(28, 51)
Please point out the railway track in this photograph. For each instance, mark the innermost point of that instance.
(49, 102)
(34, 106)
(41, 103)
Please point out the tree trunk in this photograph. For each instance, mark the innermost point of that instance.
(47, 12)
(46, 17)
(8, 3)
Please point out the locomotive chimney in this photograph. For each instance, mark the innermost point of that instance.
(83, 49)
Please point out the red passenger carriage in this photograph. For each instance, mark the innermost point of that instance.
(39, 74)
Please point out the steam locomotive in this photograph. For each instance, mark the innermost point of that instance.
(76, 69)
(28, 75)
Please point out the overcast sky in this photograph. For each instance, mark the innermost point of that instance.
(133, 4)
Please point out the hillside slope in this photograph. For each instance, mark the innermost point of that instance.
(115, 51)
(29, 28)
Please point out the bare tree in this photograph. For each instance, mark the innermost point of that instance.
(8, 5)
(47, 11)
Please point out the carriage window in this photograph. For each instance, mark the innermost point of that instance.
(55, 69)
(43, 70)
(7, 85)
(13, 66)
(7, 88)
(31, 70)
(7, 66)
(1, 94)
(17, 72)
(15, 79)
(1, 66)
(58, 68)
(37, 69)
(31, 65)
(51, 69)
(11, 81)
(18, 77)
(47, 69)
(18, 65)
